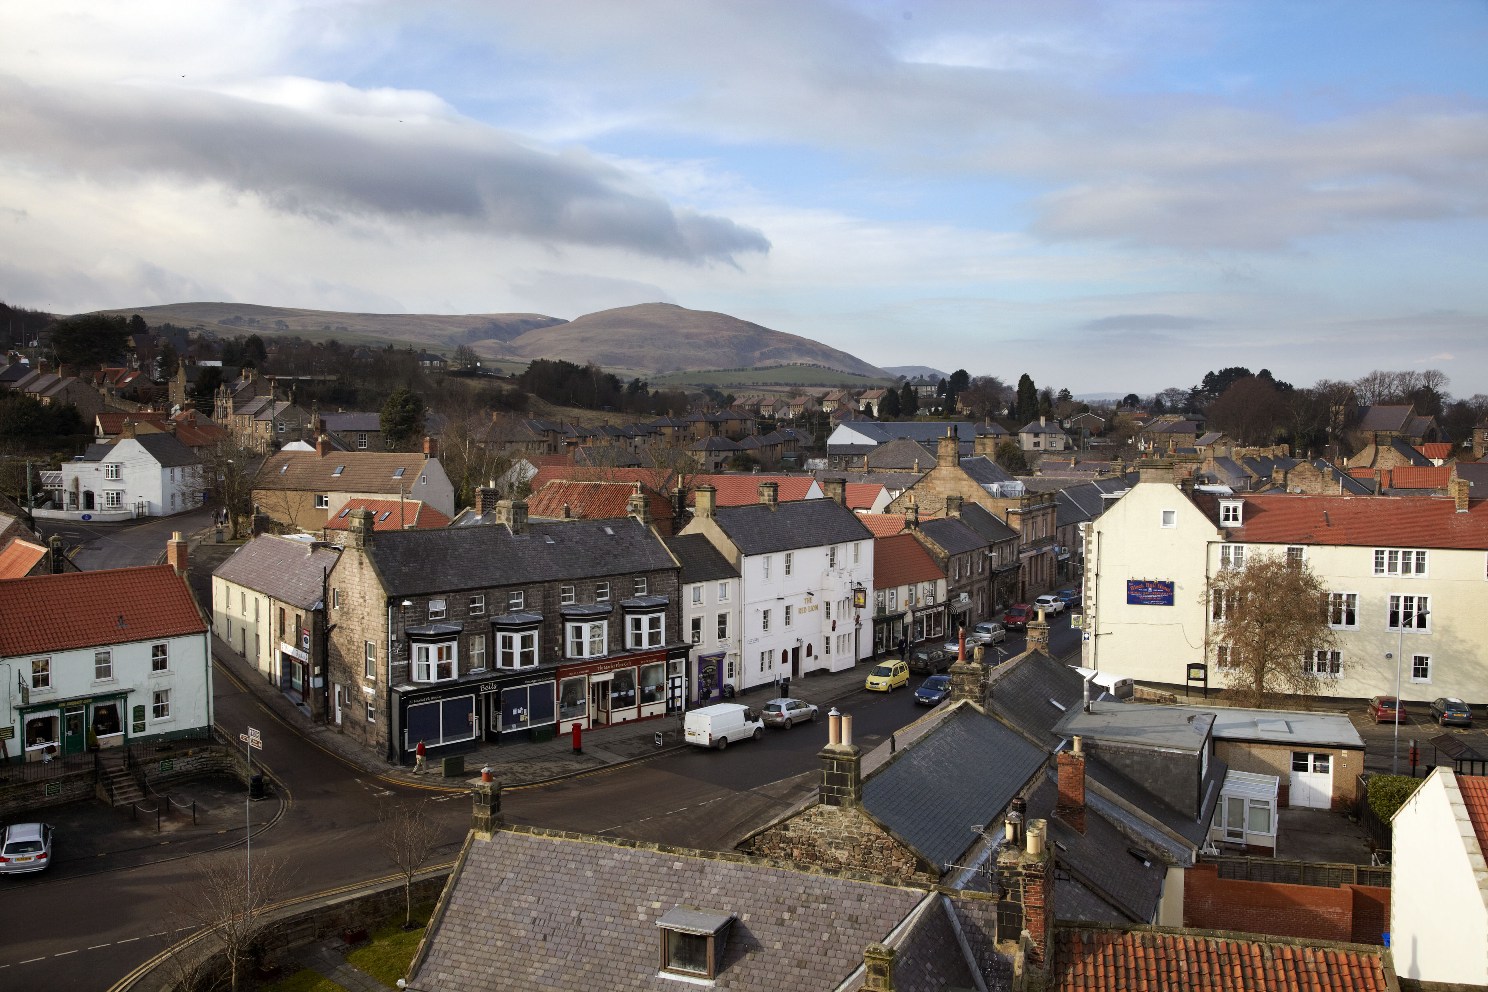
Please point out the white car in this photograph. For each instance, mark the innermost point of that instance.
(1049, 603)
(25, 847)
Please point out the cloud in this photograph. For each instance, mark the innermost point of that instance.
(1146, 322)
(334, 153)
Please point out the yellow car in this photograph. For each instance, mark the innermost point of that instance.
(887, 677)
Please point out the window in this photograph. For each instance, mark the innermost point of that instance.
(1222, 655)
(566, 595)
(113, 499)
(111, 471)
(929, 596)
(1305, 761)
(827, 609)
(1221, 605)
(790, 562)
(787, 616)
(1170, 518)
(723, 626)
(160, 704)
(477, 652)
(1232, 556)
(516, 601)
(369, 660)
(1229, 513)
(361, 442)
(1399, 561)
(103, 665)
(857, 554)
(1343, 609)
(1325, 663)
(765, 621)
(723, 592)
(767, 566)
(1295, 554)
(641, 585)
(1409, 613)
(588, 638)
(1421, 668)
(832, 556)
(434, 662)
(697, 595)
(878, 601)
(335, 599)
(41, 673)
(478, 605)
(436, 609)
(893, 600)
(371, 714)
(322, 501)
(697, 630)
(643, 630)
(601, 592)
(516, 649)
(160, 657)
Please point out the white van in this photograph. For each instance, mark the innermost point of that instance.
(721, 723)
(1116, 686)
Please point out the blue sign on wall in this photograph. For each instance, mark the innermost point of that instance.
(1149, 592)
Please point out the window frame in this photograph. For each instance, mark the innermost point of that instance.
(590, 637)
(160, 658)
(41, 674)
(369, 659)
(516, 601)
(160, 704)
(438, 609)
(1391, 562)
(1418, 662)
(1232, 556)
(1168, 519)
(477, 653)
(645, 630)
(477, 605)
(1346, 606)
(516, 650)
(566, 595)
(602, 592)
(322, 501)
(103, 665)
(1419, 613)
(435, 665)
(1325, 663)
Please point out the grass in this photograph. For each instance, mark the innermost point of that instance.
(304, 980)
(388, 954)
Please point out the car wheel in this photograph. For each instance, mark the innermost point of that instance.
(813, 716)
(789, 723)
(722, 742)
(758, 733)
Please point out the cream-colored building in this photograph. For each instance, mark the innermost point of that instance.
(1407, 581)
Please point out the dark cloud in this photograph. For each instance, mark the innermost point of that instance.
(326, 166)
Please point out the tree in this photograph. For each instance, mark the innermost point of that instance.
(1011, 457)
(225, 472)
(888, 407)
(985, 397)
(402, 419)
(409, 836)
(1251, 411)
(466, 358)
(90, 340)
(909, 401)
(955, 386)
(226, 900)
(1131, 400)
(1271, 634)
(474, 448)
(1028, 400)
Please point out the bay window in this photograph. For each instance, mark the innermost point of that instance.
(644, 630)
(587, 638)
(516, 649)
(434, 662)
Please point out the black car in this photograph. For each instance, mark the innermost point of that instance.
(933, 690)
(1451, 711)
(928, 661)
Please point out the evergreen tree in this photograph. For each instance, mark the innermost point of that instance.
(1028, 400)
(888, 407)
(402, 419)
(909, 401)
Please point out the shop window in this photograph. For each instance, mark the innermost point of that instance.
(106, 720)
(573, 698)
(41, 731)
(447, 720)
(653, 683)
(623, 689)
(516, 649)
(587, 638)
(644, 630)
(103, 666)
(434, 662)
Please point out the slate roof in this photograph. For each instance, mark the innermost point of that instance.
(951, 534)
(355, 422)
(167, 450)
(413, 562)
(1476, 474)
(922, 431)
(1100, 960)
(901, 560)
(986, 523)
(984, 471)
(1374, 521)
(361, 471)
(1385, 417)
(286, 570)
(759, 530)
(109, 606)
(900, 453)
(1033, 692)
(932, 791)
(701, 562)
(389, 514)
(1034, 427)
(547, 912)
(19, 557)
(1121, 879)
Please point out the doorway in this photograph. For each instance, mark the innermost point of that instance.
(599, 699)
(73, 737)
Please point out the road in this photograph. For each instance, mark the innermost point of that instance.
(95, 545)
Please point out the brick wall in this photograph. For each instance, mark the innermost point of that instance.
(1351, 913)
(839, 837)
(1272, 759)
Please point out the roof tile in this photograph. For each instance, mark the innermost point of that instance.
(110, 606)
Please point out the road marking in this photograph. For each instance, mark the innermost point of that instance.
(32, 960)
(97, 946)
(127, 940)
(63, 954)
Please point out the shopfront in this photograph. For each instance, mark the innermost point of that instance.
(635, 686)
(457, 716)
(71, 726)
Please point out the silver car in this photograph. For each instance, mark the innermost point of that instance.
(25, 847)
(787, 712)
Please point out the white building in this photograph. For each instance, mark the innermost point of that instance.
(131, 662)
(1407, 580)
(806, 570)
(149, 475)
(710, 615)
(1439, 882)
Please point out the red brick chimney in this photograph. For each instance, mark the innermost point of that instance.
(176, 553)
(486, 498)
(1070, 806)
(322, 446)
(431, 447)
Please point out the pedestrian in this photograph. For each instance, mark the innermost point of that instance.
(418, 759)
(903, 648)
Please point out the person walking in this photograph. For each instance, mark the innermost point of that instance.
(418, 759)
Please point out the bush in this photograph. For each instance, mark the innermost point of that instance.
(1387, 793)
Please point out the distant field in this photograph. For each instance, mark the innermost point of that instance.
(775, 375)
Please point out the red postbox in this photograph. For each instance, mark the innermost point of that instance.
(578, 738)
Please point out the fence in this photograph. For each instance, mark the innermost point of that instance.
(1330, 875)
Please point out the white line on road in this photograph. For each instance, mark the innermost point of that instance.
(128, 940)
(33, 960)
(97, 946)
(63, 954)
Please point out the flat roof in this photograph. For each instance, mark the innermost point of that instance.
(1287, 727)
(1170, 727)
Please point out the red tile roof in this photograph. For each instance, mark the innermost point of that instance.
(900, 560)
(1358, 521)
(1095, 960)
(861, 495)
(390, 514)
(743, 490)
(110, 606)
(19, 557)
(1419, 477)
(1474, 789)
(655, 478)
(883, 524)
(1436, 449)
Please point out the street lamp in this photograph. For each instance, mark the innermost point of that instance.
(1400, 621)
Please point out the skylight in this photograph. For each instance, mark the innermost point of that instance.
(339, 470)
(398, 474)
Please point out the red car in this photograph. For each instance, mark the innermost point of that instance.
(1017, 616)
(1386, 709)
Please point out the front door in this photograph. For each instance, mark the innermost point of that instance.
(73, 737)
(337, 696)
(599, 700)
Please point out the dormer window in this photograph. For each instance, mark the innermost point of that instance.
(693, 942)
(1230, 512)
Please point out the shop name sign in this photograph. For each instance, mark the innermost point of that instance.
(1149, 592)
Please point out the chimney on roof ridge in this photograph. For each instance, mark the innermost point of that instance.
(953, 505)
(485, 803)
(1070, 805)
(948, 449)
(1460, 489)
(359, 525)
(836, 490)
(126, 429)
(486, 497)
(176, 553)
(769, 494)
(56, 557)
(842, 772)
(322, 446)
(878, 968)
(1038, 634)
(431, 447)
(704, 502)
(512, 513)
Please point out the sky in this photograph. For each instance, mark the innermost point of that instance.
(1110, 196)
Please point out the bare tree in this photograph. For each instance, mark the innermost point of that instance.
(227, 901)
(1271, 635)
(474, 448)
(225, 472)
(409, 837)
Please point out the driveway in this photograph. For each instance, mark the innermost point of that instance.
(93, 546)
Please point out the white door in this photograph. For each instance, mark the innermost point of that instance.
(337, 696)
(1234, 819)
(1312, 780)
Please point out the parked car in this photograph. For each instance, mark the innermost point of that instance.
(1017, 616)
(887, 677)
(1070, 596)
(1451, 711)
(994, 632)
(25, 847)
(787, 712)
(953, 648)
(717, 725)
(928, 661)
(933, 690)
(1049, 603)
(1386, 709)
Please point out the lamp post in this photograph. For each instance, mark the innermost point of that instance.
(1400, 620)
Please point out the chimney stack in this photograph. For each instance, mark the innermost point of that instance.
(1460, 488)
(486, 498)
(56, 557)
(359, 526)
(512, 513)
(704, 501)
(836, 490)
(485, 796)
(912, 515)
(953, 505)
(322, 446)
(431, 447)
(1038, 634)
(127, 429)
(769, 494)
(1070, 806)
(637, 506)
(948, 449)
(176, 553)
(878, 968)
(842, 772)
(1025, 873)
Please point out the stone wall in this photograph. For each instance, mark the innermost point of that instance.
(360, 617)
(840, 837)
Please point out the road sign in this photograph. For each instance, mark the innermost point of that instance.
(252, 739)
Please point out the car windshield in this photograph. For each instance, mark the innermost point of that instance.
(937, 682)
(884, 670)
